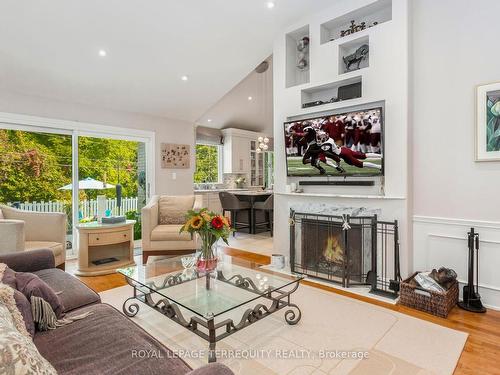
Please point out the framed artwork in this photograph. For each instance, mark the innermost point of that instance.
(488, 122)
(175, 156)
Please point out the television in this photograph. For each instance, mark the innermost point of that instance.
(342, 144)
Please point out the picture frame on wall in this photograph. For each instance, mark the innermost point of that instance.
(488, 122)
(175, 156)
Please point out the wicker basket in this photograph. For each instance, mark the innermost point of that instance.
(436, 303)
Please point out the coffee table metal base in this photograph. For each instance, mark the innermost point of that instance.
(279, 300)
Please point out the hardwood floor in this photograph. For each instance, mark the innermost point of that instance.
(481, 352)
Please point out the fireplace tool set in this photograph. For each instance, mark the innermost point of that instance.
(471, 298)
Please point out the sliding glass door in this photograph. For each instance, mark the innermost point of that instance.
(86, 175)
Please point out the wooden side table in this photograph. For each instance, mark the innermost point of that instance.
(103, 242)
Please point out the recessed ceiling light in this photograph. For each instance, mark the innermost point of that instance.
(184, 78)
(250, 98)
(102, 53)
(209, 120)
(270, 4)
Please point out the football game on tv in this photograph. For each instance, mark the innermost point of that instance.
(346, 144)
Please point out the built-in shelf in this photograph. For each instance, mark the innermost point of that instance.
(339, 91)
(372, 14)
(358, 49)
(297, 52)
(349, 196)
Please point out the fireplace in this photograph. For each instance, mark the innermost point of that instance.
(344, 249)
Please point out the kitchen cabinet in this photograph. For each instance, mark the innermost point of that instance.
(211, 201)
(241, 156)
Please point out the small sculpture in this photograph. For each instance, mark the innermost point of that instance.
(356, 57)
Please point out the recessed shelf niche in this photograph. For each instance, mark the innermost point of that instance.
(343, 90)
(294, 41)
(350, 48)
(377, 12)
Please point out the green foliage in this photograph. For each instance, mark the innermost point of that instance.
(33, 166)
(134, 215)
(492, 125)
(207, 164)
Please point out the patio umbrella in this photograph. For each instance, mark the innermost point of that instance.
(89, 184)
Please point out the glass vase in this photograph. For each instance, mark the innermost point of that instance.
(207, 260)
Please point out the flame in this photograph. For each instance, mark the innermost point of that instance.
(333, 251)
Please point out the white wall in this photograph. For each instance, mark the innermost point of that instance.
(166, 130)
(454, 48)
(385, 80)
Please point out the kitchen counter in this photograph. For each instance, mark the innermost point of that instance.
(201, 191)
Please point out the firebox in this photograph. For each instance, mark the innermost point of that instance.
(344, 249)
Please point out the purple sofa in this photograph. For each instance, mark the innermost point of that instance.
(103, 342)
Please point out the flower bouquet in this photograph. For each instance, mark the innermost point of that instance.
(210, 227)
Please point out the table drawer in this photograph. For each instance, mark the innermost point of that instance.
(107, 238)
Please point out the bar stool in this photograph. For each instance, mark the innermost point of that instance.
(268, 207)
(230, 203)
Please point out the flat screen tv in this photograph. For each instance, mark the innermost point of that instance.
(343, 144)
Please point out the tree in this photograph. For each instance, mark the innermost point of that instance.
(207, 164)
(33, 166)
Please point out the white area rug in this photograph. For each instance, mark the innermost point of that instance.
(397, 344)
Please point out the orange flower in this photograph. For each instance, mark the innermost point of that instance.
(206, 216)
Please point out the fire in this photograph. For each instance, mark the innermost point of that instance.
(333, 251)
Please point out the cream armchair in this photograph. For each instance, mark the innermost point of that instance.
(162, 219)
(27, 230)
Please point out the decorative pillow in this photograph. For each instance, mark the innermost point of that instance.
(173, 209)
(19, 353)
(31, 285)
(8, 277)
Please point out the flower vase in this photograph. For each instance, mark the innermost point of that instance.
(207, 261)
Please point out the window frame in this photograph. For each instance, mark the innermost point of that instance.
(220, 162)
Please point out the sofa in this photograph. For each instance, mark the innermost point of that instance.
(101, 343)
(162, 218)
(26, 230)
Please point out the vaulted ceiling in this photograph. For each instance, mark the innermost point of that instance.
(50, 48)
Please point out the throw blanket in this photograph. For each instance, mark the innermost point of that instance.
(45, 317)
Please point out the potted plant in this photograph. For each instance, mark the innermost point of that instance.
(210, 227)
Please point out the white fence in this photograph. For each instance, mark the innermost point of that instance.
(87, 208)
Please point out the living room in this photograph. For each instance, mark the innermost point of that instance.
(249, 187)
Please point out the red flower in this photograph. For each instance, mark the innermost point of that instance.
(217, 222)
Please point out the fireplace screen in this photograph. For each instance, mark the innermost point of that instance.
(348, 250)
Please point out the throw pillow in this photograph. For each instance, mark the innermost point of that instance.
(30, 285)
(7, 276)
(173, 209)
(19, 353)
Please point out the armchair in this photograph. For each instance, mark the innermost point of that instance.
(162, 218)
(26, 230)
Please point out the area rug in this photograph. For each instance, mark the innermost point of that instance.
(336, 335)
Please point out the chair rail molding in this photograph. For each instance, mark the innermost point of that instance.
(440, 241)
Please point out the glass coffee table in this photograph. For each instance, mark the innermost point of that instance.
(198, 300)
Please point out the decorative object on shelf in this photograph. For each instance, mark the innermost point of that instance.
(240, 182)
(471, 298)
(210, 227)
(303, 54)
(353, 28)
(175, 156)
(488, 122)
(262, 144)
(114, 220)
(356, 58)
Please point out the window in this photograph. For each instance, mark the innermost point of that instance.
(208, 164)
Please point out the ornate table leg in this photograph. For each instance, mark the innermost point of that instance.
(290, 316)
(211, 339)
(132, 309)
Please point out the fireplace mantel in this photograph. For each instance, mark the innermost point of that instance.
(350, 196)
(333, 209)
